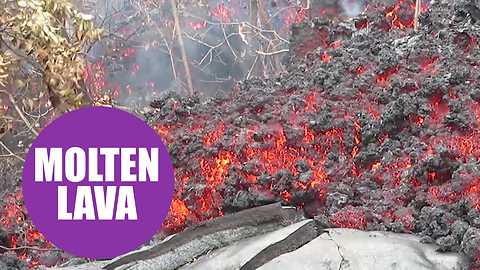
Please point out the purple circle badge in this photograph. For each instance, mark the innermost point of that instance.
(98, 182)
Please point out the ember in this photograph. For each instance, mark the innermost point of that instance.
(24, 240)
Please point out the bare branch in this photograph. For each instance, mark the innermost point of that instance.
(182, 46)
(11, 154)
(29, 247)
(15, 105)
(417, 13)
(272, 53)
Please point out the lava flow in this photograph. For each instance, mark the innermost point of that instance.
(24, 240)
(374, 127)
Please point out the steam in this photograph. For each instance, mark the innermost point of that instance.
(352, 8)
(149, 69)
(154, 65)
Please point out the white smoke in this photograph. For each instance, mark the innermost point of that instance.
(352, 8)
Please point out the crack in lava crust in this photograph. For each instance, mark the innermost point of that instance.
(373, 127)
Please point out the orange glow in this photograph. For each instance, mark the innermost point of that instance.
(309, 135)
(428, 63)
(295, 17)
(473, 189)
(286, 195)
(178, 212)
(390, 13)
(376, 165)
(281, 140)
(440, 108)
(197, 25)
(311, 102)
(222, 13)
(34, 262)
(325, 57)
(162, 130)
(374, 114)
(354, 151)
(395, 21)
(383, 77)
(210, 138)
(320, 177)
(215, 171)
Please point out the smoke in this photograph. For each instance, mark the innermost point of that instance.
(155, 64)
(352, 8)
(140, 57)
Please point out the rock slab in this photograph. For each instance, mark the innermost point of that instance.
(345, 249)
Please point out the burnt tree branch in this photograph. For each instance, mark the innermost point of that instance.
(182, 46)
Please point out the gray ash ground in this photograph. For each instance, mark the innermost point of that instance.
(373, 126)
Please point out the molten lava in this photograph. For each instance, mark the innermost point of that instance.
(361, 133)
